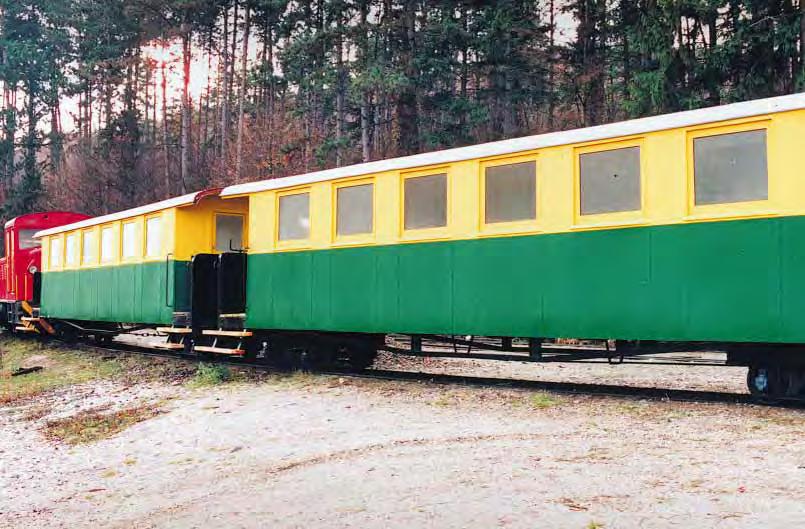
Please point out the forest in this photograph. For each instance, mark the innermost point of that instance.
(108, 104)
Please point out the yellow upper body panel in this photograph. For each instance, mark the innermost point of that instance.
(175, 233)
(666, 190)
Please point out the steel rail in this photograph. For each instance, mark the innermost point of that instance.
(564, 388)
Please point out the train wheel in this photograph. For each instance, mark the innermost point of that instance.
(360, 358)
(770, 382)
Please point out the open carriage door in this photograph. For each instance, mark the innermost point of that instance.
(204, 290)
(231, 265)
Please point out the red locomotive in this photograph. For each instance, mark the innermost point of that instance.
(21, 262)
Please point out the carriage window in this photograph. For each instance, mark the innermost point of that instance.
(55, 252)
(153, 237)
(71, 253)
(354, 209)
(26, 239)
(130, 240)
(107, 244)
(90, 245)
(609, 181)
(228, 233)
(294, 217)
(425, 202)
(510, 192)
(730, 168)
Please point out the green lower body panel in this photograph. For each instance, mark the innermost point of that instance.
(739, 281)
(136, 293)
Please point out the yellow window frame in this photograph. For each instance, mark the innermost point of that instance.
(95, 253)
(515, 226)
(137, 254)
(293, 244)
(616, 218)
(115, 227)
(358, 239)
(436, 233)
(77, 238)
(59, 239)
(730, 210)
(229, 213)
(161, 251)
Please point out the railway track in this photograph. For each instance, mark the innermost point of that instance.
(564, 388)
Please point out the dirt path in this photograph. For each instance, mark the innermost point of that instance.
(319, 452)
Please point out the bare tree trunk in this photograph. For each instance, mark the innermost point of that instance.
(366, 146)
(242, 94)
(233, 53)
(165, 137)
(223, 91)
(366, 123)
(154, 106)
(186, 111)
(551, 64)
(270, 96)
(801, 44)
(339, 95)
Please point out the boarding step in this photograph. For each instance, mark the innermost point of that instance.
(30, 319)
(175, 330)
(169, 345)
(23, 328)
(219, 350)
(221, 332)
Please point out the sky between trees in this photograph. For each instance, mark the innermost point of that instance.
(108, 104)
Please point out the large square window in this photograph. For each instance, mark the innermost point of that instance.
(610, 181)
(294, 217)
(510, 192)
(425, 202)
(731, 168)
(354, 209)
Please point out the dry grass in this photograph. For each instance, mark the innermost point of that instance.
(93, 425)
(66, 366)
(62, 367)
(543, 400)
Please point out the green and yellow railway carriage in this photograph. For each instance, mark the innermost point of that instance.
(135, 266)
(685, 227)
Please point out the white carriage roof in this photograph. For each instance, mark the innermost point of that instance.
(174, 202)
(527, 143)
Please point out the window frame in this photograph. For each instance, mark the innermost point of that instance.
(728, 210)
(280, 244)
(115, 228)
(438, 232)
(137, 247)
(159, 254)
(357, 238)
(514, 226)
(244, 223)
(59, 240)
(76, 237)
(614, 218)
(95, 254)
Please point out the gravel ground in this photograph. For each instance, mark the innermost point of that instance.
(700, 378)
(325, 452)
